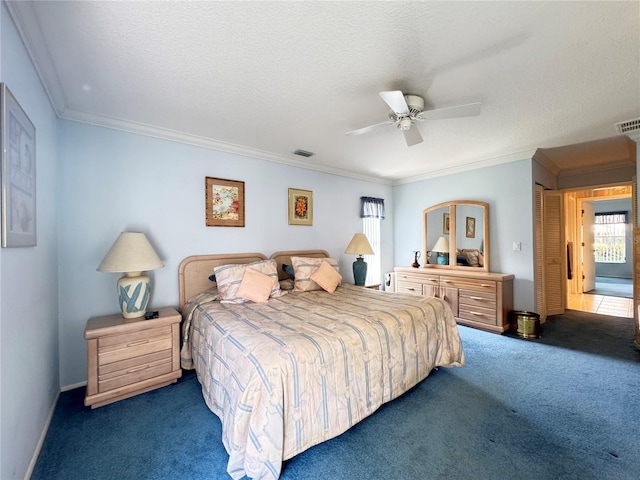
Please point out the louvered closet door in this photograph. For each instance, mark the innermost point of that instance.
(636, 258)
(541, 308)
(554, 252)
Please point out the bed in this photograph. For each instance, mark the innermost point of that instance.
(306, 366)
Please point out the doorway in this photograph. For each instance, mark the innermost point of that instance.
(600, 273)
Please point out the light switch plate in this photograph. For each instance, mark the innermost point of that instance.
(517, 246)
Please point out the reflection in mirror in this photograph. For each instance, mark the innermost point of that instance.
(456, 235)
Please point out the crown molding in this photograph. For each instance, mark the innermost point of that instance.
(211, 144)
(489, 162)
(26, 22)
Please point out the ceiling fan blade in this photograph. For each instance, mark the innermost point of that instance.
(395, 100)
(412, 136)
(467, 110)
(368, 129)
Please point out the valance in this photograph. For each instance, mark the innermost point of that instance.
(371, 207)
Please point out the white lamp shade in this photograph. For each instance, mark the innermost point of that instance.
(359, 245)
(131, 252)
(441, 246)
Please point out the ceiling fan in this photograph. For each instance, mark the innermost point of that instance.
(408, 109)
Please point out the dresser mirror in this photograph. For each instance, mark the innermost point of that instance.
(456, 235)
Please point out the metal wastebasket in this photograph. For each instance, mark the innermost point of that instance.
(526, 324)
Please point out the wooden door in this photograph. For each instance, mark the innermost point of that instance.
(588, 257)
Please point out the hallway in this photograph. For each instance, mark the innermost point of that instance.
(601, 304)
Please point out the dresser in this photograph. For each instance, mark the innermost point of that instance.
(126, 357)
(478, 299)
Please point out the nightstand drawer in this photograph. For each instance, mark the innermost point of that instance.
(114, 348)
(146, 369)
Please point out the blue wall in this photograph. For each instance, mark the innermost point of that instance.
(29, 280)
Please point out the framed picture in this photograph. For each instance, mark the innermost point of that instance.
(18, 173)
(471, 227)
(225, 202)
(445, 223)
(300, 207)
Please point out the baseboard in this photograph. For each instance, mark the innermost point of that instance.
(43, 435)
(66, 388)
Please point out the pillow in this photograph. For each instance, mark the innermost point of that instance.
(472, 257)
(229, 278)
(288, 269)
(255, 286)
(327, 277)
(286, 284)
(303, 267)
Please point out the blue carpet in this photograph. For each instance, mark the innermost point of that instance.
(564, 406)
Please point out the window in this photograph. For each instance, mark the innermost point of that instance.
(609, 241)
(372, 213)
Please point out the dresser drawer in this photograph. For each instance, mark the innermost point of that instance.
(477, 314)
(469, 284)
(404, 286)
(419, 278)
(477, 298)
(114, 348)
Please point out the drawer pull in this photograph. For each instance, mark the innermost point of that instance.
(137, 369)
(410, 288)
(135, 344)
(486, 285)
(477, 314)
(477, 298)
(444, 281)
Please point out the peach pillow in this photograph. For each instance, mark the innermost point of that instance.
(256, 286)
(327, 277)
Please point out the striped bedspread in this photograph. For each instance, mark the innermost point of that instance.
(305, 367)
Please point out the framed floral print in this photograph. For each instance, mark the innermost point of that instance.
(300, 207)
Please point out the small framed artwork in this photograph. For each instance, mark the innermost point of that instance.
(225, 202)
(445, 223)
(18, 139)
(471, 227)
(300, 207)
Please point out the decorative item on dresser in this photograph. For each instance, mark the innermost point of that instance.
(126, 357)
(477, 299)
(132, 254)
(360, 246)
(416, 257)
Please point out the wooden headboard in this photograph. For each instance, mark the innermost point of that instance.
(194, 271)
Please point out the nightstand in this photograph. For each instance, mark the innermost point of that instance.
(126, 357)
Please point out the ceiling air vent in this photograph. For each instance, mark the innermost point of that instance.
(630, 126)
(304, 153)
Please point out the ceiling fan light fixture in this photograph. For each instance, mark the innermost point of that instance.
(404, 124)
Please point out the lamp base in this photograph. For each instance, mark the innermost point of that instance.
(359, 271)
(442, 259)
(134, 290)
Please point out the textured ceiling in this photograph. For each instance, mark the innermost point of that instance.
(266, 78)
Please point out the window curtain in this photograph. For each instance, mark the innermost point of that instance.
(371, 207)
(372, 212)
(608, 218)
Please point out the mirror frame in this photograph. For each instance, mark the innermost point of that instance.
(452, 234)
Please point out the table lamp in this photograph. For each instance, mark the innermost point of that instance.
(442, 249)
(132, 254)
(360, 246)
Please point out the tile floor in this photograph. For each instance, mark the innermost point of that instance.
(604, 305)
